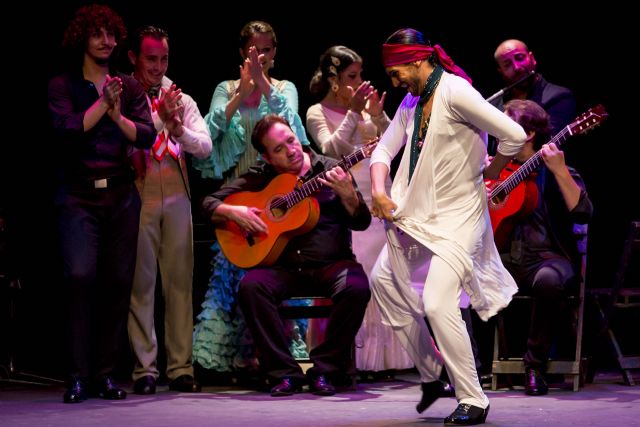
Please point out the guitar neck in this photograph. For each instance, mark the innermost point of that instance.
(314, 184)
(529, 166)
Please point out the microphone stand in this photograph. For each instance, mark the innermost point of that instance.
(503, 90)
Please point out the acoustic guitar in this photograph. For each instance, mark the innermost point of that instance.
(512, 196)
(287, 210)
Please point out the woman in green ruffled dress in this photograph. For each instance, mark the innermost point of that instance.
(221, 341)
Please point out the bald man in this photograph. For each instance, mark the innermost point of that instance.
(515, 61)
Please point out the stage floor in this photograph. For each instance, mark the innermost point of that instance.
(606, 402)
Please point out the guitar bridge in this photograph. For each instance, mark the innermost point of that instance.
(250, 239)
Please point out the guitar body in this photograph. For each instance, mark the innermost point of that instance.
(505, 210)
(515, 193)
(264, 249)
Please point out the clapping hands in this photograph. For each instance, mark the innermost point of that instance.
(111, 91)
(170, 109)
(366, 98)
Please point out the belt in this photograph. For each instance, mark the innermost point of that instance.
(101, 183)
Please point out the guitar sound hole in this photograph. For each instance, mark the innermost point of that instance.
(498, 198)
(278, 212)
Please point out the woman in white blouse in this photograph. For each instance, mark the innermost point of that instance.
(350, 113)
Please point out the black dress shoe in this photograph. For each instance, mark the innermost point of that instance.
(145, 385)
(105, 388)
(466, 415)
(320, 386)
(286, 387)
(186, 384)
(447, 390)
(534, 383)
(431, 391)
(77, 392)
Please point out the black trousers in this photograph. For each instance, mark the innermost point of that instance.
(549, 282)
(262, 290)
(98, 235)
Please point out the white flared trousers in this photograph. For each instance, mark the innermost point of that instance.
(405, 270)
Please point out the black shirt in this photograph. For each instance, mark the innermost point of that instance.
(330, 239)
(557, 101)
(102, 151)
(548, 231)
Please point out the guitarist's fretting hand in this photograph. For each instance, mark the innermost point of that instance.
(341, 182)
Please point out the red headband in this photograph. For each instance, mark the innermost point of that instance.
(396, 54)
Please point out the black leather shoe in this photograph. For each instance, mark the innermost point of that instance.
(186, 384)
(320, 386)
(466, 415)
(534, 383)
(106, 388)
(77, 392)
(145, 385)
(431, 391)
(286, 387)
(447, 390)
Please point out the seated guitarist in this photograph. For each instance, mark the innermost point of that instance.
(541, 252)
(320, 260)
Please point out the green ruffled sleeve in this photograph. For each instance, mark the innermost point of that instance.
(229, 139)
(284, 103)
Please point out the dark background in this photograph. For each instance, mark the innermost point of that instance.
(585, 50)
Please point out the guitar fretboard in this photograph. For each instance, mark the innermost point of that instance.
(529, 166)
(314, 184)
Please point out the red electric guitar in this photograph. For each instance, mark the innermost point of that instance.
(510, 198)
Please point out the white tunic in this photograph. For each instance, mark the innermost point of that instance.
(444, 207)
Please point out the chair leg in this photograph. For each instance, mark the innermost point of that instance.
(576, 382)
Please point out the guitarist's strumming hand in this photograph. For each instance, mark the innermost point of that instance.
(553, 157)
(247, 217)
(341, 182)
(554, 160)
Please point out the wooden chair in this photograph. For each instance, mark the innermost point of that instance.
(623, 296)
(503, 363)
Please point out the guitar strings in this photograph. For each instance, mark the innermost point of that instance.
(583, 123)
(298, 194)
(527, 167)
